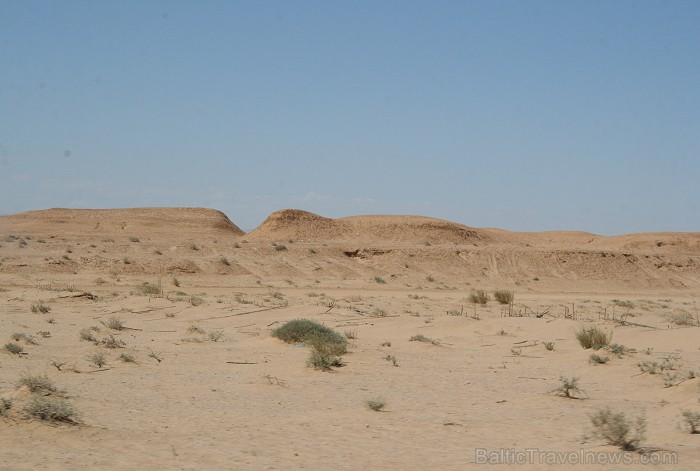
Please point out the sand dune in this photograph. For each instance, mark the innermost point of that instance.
(210, 388)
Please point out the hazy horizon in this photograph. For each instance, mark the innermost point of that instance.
(524, 116)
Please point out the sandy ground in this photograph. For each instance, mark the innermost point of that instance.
(227, 395)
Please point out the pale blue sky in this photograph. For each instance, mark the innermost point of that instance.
(523, 115)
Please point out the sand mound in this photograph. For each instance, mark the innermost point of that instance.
(131, 220)
(305, 226)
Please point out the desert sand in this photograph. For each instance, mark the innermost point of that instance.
(211, 389)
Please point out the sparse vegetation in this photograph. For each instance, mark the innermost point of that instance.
(195, 329)
(350, 334)
(379, 280)
(503, 296)
(215, 335)
(280, 247)
(593, 337)
(134, 239)
(549, 346)
(323, 355)
(224, 261)
(392, 359)
(616, 429)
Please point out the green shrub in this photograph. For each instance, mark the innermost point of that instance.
(379, 280)
(593, 338)
(306, 331)
(549, 346)
(50, 410)
(617, 430)
(503, 296)
(323, 355)
(14, 348)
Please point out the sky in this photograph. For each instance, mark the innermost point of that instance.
(526, 115)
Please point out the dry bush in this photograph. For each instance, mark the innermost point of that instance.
(479, 297)
(423, 338)
(692, 420)
(503, 296)
(594, 338)
(38, 384)
(616, 429)
(14, 348)
(50, 410)
(376, 404)
(569, 388)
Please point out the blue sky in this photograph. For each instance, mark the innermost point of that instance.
(523, 115)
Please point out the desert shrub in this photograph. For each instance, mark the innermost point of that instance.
(549, 346)
(386, 344)
(569, 388)
(280, 247)
(430, 278)
(86, 334)
(126, 358)
(115, 323)
(503, 296)
(350, 334)
(134, 239)
(5, 405)
(392, 359)
(623, 303)
(616, 429)
(593, 338)
(692, 420)
(195, 329)
(379, 312)
(597, 359)
(28, 339)
(423, 338)
(215, 335)
(323, 355)
(111, 342)
(40, 308)
(479, 297)
(196, 300)
(379, 280)
(98, 359)
(37, 384)
(376, 404)
(307, 331)
(14, 348)
(51, 410)
(147, 289)
(682, 318)
(617, 349)
(224, 261)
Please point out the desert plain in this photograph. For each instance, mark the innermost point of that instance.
(155, 327)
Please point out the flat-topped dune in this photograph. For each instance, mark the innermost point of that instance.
(97, 221)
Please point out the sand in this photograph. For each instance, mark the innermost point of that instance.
(228, 395)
